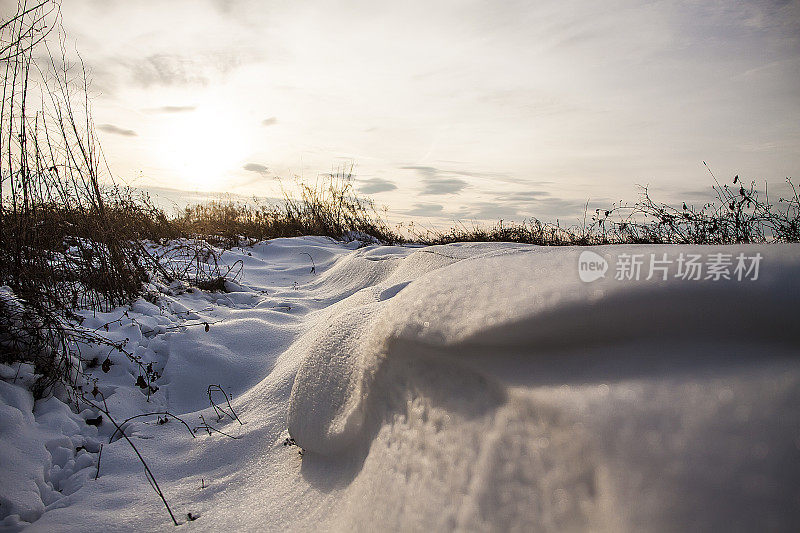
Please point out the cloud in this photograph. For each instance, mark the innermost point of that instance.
(424, 171)
(552, 209)
(488, 211)
(440, 181)
(178, 70)
(522, 205)
(102, 77)
(166, 69)
(116, 130)
(522, 196)
(172, 109)
(269, 121)
(443, 186)
(425, 210)
(224, 6)
(255, 167)
(436, 182)
(376, 185)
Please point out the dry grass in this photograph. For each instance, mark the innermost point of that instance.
(739, 215)
(330, 208)
(66, 241)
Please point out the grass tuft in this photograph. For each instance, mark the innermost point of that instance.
(329, 208)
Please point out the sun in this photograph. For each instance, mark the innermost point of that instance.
(203, 147)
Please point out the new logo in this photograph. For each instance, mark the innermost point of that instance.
(591, 266)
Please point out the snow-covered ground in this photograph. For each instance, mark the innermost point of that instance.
(475, 387)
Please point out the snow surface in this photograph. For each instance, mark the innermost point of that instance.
(476, 387)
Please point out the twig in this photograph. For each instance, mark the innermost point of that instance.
(165, 413)
(217, 409)
(148, 473)
(99, 456)
(209, 428)
(203, 323)
(313, 266)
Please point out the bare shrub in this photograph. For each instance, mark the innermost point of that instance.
(67, 241)
(741, 214)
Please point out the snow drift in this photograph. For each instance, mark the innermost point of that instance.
(479, 387)
(510, 334)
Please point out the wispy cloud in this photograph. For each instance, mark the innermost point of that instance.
(166, 69)
(443, 186)
(224, 6)
(515, 207)
(269, 121)
(183, 70)
(446, 181)
(376, 185)
(424, 171)
(116, 130)
(256, 167)
(519, 206)
(436, 181)
(425, 210)
(172, 109)
(522, 196)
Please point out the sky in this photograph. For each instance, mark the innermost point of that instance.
(465, 110)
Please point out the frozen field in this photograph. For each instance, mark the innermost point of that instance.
(472, 387)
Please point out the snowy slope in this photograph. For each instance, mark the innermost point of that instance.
(479, 387)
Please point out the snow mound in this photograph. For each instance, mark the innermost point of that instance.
(501, 356)
(467, 387)
(486, 303)
(45, 453)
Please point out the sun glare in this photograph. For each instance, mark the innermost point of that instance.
(203, 148)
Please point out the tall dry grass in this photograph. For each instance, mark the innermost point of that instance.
(738, 215)
(330, 207)
(67, 242)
